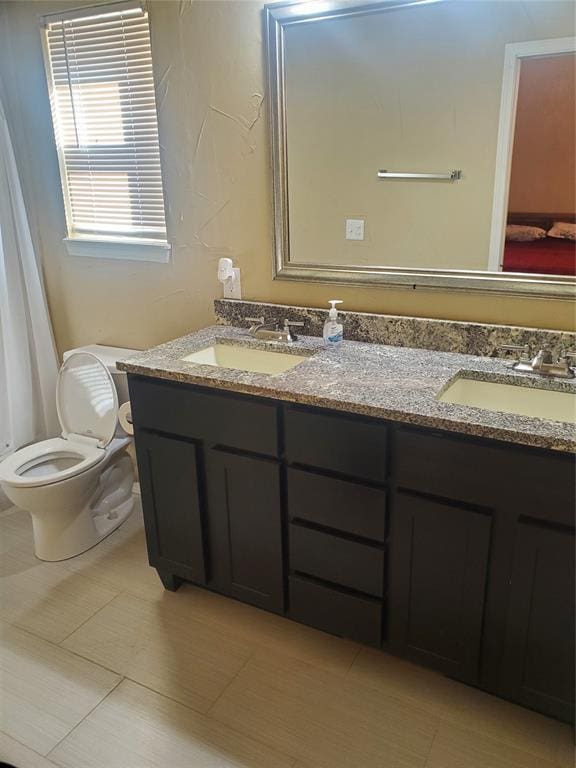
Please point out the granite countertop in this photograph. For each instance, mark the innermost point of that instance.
(393, 383)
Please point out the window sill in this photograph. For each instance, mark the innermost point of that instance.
(130, 250)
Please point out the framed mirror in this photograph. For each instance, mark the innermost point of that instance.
(426, 144)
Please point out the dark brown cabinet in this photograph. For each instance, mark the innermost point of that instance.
(438, 567)
(452, 551)
(245, 530)
(538, 660)
(172, 507)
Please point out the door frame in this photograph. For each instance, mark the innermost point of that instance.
(513, 56)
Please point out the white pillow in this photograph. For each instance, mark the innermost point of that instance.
(523, 233)
(563, 230)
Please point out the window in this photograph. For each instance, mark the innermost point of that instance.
(99, 66)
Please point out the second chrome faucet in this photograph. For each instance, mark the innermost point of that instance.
(543, 362)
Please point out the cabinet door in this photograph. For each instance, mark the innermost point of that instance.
(245, 527)
(171, 503)
(538, 663)
(437, 579)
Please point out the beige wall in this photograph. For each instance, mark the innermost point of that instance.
(544, 159)
(210, 82)
(413, 89)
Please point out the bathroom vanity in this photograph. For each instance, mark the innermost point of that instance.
(415, 531)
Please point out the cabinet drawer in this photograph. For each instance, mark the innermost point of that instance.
(541, 485)
(445, 466)
(346, 563)
(340, 504)
(217, 418)
(328, 609)
(538, 484)
(340, 443)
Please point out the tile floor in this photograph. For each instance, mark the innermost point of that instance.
(102, 668)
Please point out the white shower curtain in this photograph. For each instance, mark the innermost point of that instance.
(28, 362)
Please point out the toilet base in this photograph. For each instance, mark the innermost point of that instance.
(104, 527)
(60, 534)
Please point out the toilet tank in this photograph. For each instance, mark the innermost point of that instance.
(109, 356)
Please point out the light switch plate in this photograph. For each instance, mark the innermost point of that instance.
(354, 229)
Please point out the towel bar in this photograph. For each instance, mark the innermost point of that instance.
(452, 176)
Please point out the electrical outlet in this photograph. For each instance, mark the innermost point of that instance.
(354, 229)
(233, 286)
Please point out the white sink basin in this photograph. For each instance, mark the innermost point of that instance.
(512, 398)
(245, 359)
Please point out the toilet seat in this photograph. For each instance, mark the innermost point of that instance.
(18, 468)
(86, 399)
(87, 405)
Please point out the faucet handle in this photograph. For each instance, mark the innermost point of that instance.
(288, 325)
(568, 354)
(524, 349)
(254, 320)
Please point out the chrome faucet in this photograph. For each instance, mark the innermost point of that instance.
(543, 362)
(272, 331)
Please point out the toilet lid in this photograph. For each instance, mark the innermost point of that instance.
(86, 398)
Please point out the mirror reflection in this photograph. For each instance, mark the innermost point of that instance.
(410, 144)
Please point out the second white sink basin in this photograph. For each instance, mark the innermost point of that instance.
(242, 358)
(512, 398)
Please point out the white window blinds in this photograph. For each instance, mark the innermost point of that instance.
(104, 112)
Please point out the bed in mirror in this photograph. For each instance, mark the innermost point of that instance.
(425, 144)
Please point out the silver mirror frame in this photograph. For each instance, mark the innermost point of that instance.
(277, 17)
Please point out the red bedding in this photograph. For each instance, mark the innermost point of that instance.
(549, 256)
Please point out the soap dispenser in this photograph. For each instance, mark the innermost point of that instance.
(333, 330)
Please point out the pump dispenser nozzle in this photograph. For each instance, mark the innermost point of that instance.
(333, 313)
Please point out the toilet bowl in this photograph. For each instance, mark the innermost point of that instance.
(77, 487)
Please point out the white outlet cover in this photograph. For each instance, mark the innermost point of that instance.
(233, 286)
(354, 229)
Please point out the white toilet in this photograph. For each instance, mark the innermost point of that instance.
(77, 487)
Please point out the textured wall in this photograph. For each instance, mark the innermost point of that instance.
(209, 68)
